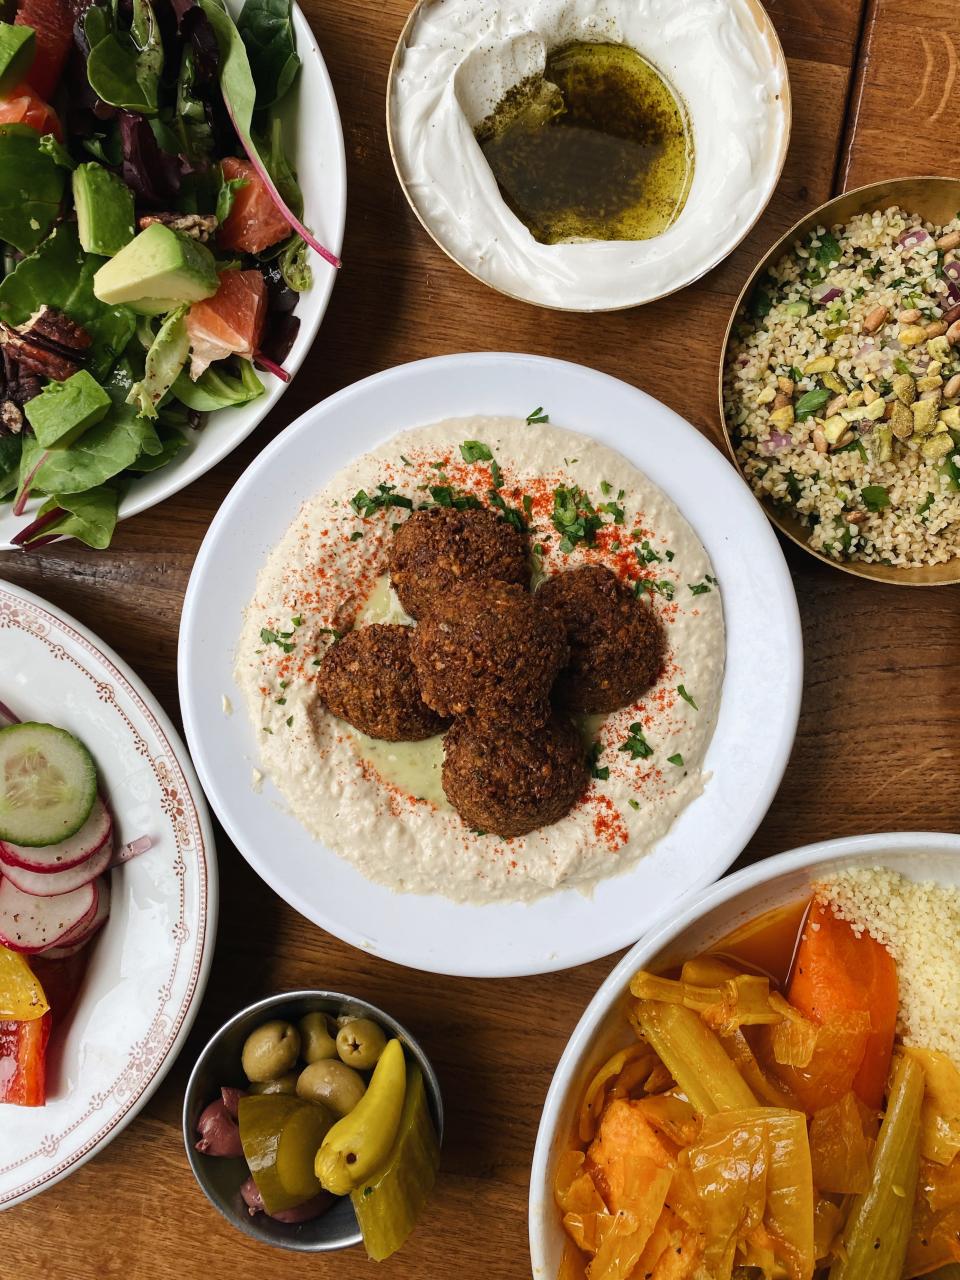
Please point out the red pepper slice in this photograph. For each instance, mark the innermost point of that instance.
(23, 1067)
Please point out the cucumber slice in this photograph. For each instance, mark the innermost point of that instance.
(48, 783)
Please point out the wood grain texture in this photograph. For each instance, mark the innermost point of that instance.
(876, 748)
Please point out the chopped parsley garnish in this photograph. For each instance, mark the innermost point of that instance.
(297, 621)
(794, 374)
(386, 496)
(855, 446)
(527, 504)
(289, 721)
(271, 637)
(496, 475)
(281, 702)
(810, 402)
(537, 416)
(316, 662)
(606, 488)
(875, 497)
(575, 517)
(356, 535)
(444, 495)
(760, 304)
(510, 514)
(613, 509)
(925, 505)
(664, 587)
(406, 461)
(475, 451)
(669, 555)
(686, 697)
(330, 631)
(901, 365)
(828, 251)
(698, 588)
(636, 744)
(634, 804)
(677, 760)
(593, 755)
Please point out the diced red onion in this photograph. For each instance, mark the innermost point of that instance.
(824, 293)
(912, 238)
(776, 441)
(132, 849)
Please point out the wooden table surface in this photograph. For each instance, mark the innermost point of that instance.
(876, 748)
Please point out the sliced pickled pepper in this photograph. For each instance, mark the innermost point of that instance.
(388, 1204)
(279, 1135)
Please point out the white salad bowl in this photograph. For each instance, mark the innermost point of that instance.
(759, 701)
(314, 139)
(148, 967)
(700, 922)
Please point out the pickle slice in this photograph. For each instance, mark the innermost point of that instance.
(300, 1137)
(261, 1118)
(388, 1204)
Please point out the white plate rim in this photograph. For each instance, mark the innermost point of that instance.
(693, 906)
(483, 365)
(161, 727)
(156, 487)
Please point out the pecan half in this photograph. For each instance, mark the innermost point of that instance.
(34, 357)
(56, 330)
(199, 226)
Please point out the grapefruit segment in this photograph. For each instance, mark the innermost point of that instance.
(52, 21)
(23, 105)
(229, 323)
(254, 222)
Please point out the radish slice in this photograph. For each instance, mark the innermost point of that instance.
(83, 844)
(84, 931)
(47, 884)
(31, 924)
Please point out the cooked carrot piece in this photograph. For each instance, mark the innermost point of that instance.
(838, 972)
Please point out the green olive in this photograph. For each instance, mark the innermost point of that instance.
(360, 1043)
(331, 1082)
(283, 1084)
(315, 1038)
(270, 1051)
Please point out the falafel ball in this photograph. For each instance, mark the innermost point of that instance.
(441, 546)
(368, 680)
(512, 781)
(616, 641)
(487, 648)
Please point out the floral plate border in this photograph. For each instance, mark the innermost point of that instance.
(185, 810)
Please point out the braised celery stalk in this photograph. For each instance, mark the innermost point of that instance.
(694, 1057)
(878, 1226)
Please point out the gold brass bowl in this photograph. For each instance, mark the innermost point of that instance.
(936, 200)
(769, 35)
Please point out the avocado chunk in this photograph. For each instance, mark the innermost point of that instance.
(17, 48)
(104, 210)
(64, 410)
(158, 263)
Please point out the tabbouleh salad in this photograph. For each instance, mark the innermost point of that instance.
(842, 388)
(151, 243)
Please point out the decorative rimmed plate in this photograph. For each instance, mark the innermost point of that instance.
(149, 966)
(759, 703)
(315, 138)
(725, 64)
(937, 200)
(700, 922)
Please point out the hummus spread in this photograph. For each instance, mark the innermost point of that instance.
(380, 804)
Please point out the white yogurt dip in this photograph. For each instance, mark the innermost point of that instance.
(459, 58)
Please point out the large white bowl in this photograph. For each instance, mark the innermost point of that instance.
(314, 138)
(149, 966)
(701, 922)
(758, 709)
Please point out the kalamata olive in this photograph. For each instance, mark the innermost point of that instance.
(270, 1051)
(219, 1135)
(231, 1098)
(360, 1043)
(311, 1208)
(250, 1193)
(333, 1083)
(283, 1084)
(316, 1042)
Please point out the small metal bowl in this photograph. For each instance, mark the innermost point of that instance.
(219, 1064)
(936, 200)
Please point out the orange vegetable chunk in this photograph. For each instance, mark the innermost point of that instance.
(837, 974)
(624, 1152)
(935, 1238)
(839, 1150)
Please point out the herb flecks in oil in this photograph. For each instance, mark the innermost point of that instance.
(599, 147)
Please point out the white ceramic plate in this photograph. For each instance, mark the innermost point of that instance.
(701, 922)
(759, 706)
(149, 966)
(314, 138)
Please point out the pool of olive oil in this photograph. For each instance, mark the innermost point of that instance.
(599, 147)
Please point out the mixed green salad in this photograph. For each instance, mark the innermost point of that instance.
(151, 238)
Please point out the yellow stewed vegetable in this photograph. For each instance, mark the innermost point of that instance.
(694, 1057)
